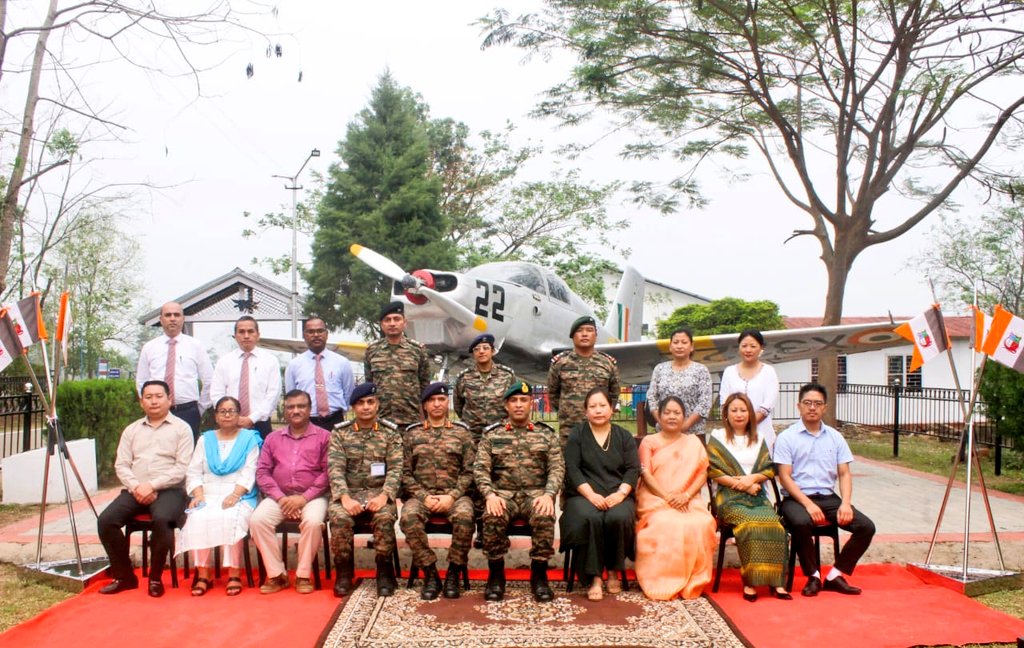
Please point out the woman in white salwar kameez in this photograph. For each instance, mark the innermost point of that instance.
(221, 482)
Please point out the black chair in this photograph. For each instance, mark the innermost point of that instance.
(569, 574)
(218, 552)
(819, 532)
(725, 531)
(436, 524)
(143, 523)
(292, 526)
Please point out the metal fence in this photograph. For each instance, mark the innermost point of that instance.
(22, 417)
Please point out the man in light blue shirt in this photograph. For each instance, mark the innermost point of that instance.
(810, 456)
(323, 374)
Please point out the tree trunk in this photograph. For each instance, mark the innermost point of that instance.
(828, 366)
(10, 204)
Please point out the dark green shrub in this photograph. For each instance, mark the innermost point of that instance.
(100, 410)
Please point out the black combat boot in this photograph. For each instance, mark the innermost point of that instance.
(344, 570)
(539, 581)
(431, 583)
(451, 581)
(495, 588)
(386, 583)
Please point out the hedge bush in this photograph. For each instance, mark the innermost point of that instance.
(100, 410)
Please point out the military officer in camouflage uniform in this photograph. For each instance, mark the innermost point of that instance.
(364, 464)
(400, 368)
(438, 460)
(574, 373)
(519, 468)
(479, 391)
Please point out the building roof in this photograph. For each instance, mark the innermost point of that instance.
(612, 268)
(958, 326)
(230, 296)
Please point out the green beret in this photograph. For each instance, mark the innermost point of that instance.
(518, 387)
(586, 319)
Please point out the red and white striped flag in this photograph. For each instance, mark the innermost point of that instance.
(64, 324)
(9, 337)
(6, 358)
(1005, 340)
(928, 334)
(28, 320)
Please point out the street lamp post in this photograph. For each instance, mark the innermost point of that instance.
(294, 188)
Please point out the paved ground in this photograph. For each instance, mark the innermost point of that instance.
(904, 505)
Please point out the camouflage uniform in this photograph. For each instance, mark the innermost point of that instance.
(401, 371)
(570, 377)
(519, 464)
(479, 396)
(349, 455)
(438, 461)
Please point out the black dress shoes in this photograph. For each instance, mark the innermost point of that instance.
(839, 584)
(116, 585)
(782, 596)
(156, 589)
(812, 587)
(750, 597)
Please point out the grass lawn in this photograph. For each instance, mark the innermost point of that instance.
(21, 598)
(933, 455)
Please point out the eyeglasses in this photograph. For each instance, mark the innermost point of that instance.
(812, 403)
(227, 412)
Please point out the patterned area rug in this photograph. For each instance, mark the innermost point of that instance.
(628, 619)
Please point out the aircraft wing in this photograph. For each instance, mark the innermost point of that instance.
(637, 359)
(354, 351)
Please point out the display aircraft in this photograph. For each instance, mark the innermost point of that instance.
(529, 310)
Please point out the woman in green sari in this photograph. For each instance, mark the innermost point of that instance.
(740, 465)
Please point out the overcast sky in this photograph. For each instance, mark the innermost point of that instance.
(216, 155)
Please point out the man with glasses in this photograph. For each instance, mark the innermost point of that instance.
(323, 374)
(479, 390)
(810, 456)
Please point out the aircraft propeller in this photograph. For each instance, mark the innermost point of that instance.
(415, 284)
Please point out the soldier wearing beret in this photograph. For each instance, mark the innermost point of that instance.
(364, 463)
(519, 468)
(438, 460)
(399, 366)
(479, 390)
(574, 373)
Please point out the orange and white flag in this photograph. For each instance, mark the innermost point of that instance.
(928, 334)
(1004, 340)
(64, 324)
(980, 325)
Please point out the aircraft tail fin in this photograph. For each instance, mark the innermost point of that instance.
(626, 313)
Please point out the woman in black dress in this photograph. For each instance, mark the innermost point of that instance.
(601, 470)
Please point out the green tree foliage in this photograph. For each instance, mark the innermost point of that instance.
(726, 315)
(100, 410)
(383, 195)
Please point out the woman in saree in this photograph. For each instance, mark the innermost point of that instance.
(740, 465)
(221, 482)
(675, 539)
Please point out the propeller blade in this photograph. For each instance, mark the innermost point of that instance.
(454, 309)
(378, 262)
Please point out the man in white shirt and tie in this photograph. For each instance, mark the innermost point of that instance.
(323, 374)
(250, 374)
(181, 362)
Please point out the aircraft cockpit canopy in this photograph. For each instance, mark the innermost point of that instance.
(523, 274)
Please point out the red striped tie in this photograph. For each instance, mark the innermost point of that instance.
(243, 386)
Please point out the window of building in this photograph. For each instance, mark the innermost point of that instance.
(897, 367)
(841, 370)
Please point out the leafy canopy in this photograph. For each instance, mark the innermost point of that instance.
(726, 315)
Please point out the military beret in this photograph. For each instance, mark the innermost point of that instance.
(362, 390)
(434, 389)
(518, 387)
(583, 321)
(391, 307)
(480, 339)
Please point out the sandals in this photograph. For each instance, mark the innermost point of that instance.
(595, 592)
(234, 587)
(201, 586)
(614, 586)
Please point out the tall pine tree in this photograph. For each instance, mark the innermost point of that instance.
(382, 194)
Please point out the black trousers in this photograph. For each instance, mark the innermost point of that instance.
(800, 525)
(168, 509)
(263, 427)
(189, 412)
(328, 422)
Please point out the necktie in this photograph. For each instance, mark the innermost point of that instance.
(322, 408)
(243, 385)
(169, 371)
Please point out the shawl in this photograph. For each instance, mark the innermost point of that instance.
(723, 464)
(247, 439)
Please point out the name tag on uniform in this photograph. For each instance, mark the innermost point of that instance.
(377, 469)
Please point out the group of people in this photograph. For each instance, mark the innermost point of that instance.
(490, 471)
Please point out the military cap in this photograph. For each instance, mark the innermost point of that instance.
(391, 307)
(434, 389)
(480, 339)
(583, 321)
(362, 390)
(518, 387)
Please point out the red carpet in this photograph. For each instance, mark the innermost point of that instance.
(896, 610)
(216, 620)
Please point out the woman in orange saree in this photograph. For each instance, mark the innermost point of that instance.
(675, 539)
